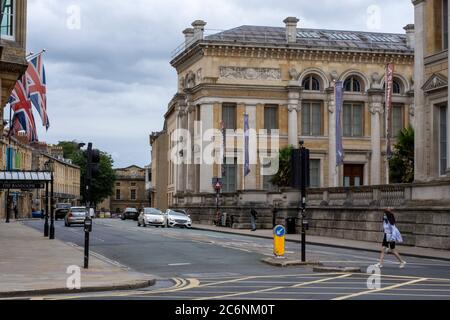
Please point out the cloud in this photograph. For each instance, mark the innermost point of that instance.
(109, 81)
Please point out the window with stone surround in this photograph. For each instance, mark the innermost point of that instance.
(133, 194)
(443, 152)
(311, 83)
(230, 177)
(397, 120)
(271, 118)
(312, 118)
(314, 172)
(7, 19)
(229, 113)
(353, 84)
(353, 117)
(118, 195)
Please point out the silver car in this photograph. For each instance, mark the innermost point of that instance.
(152, 217)
(178, 218)
(76, 215)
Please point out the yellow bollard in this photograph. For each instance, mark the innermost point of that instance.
(279, 239)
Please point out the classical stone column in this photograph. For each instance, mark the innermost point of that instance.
(190, 174)
(250, 180)
(376, 109)
(180, 167)
(448, 107)
(420, 163)
(332, 167)
(293, 107)
(206, 169)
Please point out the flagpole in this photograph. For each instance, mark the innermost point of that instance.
(32, 55)
(244, 152)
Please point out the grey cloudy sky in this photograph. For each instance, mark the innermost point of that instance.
(110, 80)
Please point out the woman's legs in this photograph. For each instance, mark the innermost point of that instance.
(381, 257)
(397, 255)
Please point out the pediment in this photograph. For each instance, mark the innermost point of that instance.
(435, 82)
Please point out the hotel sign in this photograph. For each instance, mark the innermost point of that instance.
(21, 185)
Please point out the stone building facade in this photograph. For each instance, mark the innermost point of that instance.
(129, 190)
(12, 49)
(67, 176)
(160, 159)
(284, 78)
(431, 90)
(22, 161)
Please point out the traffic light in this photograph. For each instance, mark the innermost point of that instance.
(93, 161)
(300, 169)
(92, 169)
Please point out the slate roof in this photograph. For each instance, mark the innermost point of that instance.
(315, 38)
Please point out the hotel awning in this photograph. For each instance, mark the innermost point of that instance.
(24, 179)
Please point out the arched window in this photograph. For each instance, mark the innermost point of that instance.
(311, 83)
(352, 84)
(396, 87)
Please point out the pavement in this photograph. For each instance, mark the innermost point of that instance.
(33, 265)
(334, 242)
(209, 265)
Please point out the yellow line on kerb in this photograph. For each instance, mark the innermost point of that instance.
(275, 288)
(382, 289)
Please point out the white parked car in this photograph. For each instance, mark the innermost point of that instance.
(152, 217)
(178, 218)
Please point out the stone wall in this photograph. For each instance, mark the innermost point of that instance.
(356, 214)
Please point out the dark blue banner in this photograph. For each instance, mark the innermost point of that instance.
(339, 106)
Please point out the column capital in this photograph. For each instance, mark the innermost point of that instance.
(376, 108)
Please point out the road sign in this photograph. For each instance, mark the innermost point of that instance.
(279, 239)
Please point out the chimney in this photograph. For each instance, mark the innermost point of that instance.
(199, 29)
(188, 36)
(291, 29)
(410, 37)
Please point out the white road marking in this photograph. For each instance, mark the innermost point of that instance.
(179, 264)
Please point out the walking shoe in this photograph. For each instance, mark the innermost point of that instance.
(402, 265)
(379, 265)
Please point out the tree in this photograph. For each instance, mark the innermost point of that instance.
(401, 164)
(284, 174)
(103, 181)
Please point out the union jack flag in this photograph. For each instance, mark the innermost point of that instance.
(23, 119)
(37, 90)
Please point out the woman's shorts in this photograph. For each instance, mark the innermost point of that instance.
(387, 244)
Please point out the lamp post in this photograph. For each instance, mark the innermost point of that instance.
(50, 167)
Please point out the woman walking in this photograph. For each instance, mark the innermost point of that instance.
(391, 237)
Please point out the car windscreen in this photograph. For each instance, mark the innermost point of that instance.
(175, 213)
(153, 211)
(79, 210)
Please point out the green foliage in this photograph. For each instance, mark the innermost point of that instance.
(103, 182)
(284, 175)
(402, 162)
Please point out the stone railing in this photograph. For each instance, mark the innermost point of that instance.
(395, 195)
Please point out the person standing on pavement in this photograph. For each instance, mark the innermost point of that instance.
(391, 236)
(254, 217)
(16, 212)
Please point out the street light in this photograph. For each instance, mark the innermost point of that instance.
(49, 166)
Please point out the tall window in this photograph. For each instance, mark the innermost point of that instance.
(352, 84)
(271, 118)
(312, 115)
(229, 116)
(353, 119)
(133, 195)
(118, 195)
(443, 153)
(396, 87)
(397, 120)
(7, 16)
(314, 171)
(267, 180)
(445, 24)
(230, 178)
(311, 83)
